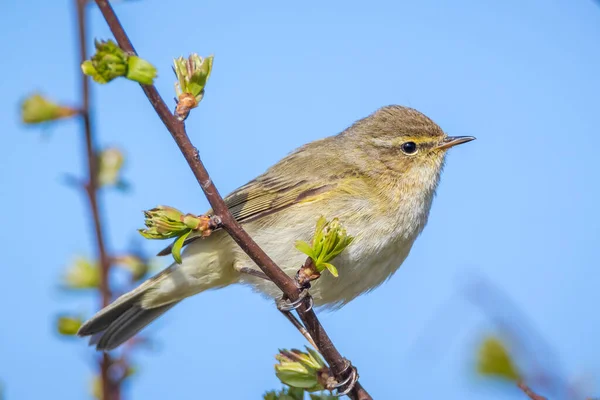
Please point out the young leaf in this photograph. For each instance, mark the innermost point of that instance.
(494, 360)
(304, 248)
(176, 251)
(331, 269)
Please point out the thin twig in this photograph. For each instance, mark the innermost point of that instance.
(300, 327)
(110, 390)
(288, 286)
(530, 393)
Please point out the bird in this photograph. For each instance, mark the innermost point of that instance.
(378, 177)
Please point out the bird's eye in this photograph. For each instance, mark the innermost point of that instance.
(409, 148)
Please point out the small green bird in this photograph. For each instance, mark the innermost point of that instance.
(378, 177)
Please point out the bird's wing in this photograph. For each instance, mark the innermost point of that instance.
(284, 185)
(268, 195)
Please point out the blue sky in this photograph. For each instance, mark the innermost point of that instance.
(518, 206)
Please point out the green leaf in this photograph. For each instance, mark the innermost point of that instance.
(135, 264)
(321, 222)
(192, 75)
(82, 274)
(331, 269)
(68, 325)
(323, 396)
(37, 109)
(285, 394)
(329, 240)
(494, 360)
(110, 62)
(304, 248)
(110, 163)
(176, 251)
(317, 356)
(296, 379)
(271, 395)
(296, 393)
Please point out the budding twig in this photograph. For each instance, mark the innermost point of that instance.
(111, 62)
(165, 222)
(37, 109)
(337, 363)
(192, 74)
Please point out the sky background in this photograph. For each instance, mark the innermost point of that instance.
(519, 206)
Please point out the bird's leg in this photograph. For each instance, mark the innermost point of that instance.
(284, 305)
(253, 272)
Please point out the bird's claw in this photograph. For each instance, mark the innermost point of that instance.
(284, 304)
(347, 383)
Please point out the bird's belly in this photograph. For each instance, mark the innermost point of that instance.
(360, 271)
(363, 266)
(376, 253)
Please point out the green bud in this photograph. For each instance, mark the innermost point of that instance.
(136, 265)
(110, 162)
(111, 62)
(140, 70)
(323, 396)
(108, 63)
(494, 360)
(96, 388)
(194, 222)
(82, 274)
(165, 222)
(301, 370)
(37, 109)
(68, 325)
(329, 240)
(130, 371)
(192, 74)
(288, 393)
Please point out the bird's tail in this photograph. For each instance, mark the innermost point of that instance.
(122, 319)
(202, 269)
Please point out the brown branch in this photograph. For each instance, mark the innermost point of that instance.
(110, 389)
(520, 332)
(287, 285)
(530, 393)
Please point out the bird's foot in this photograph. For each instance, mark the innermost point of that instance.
(283, 304)
(346, 386)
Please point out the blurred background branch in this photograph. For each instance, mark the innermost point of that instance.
(110, 387)
(516, 352)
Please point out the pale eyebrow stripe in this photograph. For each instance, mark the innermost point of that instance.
(388, 144)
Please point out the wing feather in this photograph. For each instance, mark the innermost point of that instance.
(276, 190)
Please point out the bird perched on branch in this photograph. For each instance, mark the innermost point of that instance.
(378, 177)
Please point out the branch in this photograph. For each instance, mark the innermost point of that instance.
(288, 286)
(530, 393)
(110, 390)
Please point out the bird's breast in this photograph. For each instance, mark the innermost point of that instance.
(382, 242)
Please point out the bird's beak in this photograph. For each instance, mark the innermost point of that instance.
(451, 141)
